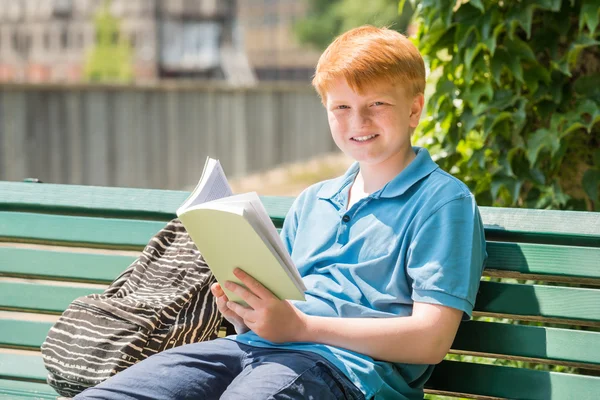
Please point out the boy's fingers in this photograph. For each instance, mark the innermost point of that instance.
(222, 301)
(255, 286)
(216, 289)
(240, 311)
(249, 297)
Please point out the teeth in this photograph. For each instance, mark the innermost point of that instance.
(363, 138)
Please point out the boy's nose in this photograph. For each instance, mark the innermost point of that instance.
(362, 118)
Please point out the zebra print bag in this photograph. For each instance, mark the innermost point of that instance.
(162, 300)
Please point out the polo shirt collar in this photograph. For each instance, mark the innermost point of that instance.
(418, 169)
(333, 187)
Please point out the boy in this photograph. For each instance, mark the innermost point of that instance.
(391, 254)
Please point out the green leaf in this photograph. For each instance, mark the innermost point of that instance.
(518, 48)
(561, 66)
(597, 158)
(541, 139)
(520, 117)
(588, 86)
(522, 17)
(589, 15)
(476, 91)
(468, 120)
(589, 111)
(486, 23)
(506, 162)
(471, 53)
(503, 59)
(578, 45)
(435, 32)
(551, 5)
(466, 14)
(590, 183)
(494, 120)
(401, 6)
(533, 73)
(537, 176)
(464, 35)
(477, 4)
(512, 186)
(491, 41)
(503, 99)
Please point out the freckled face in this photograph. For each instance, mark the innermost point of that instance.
(373, 127)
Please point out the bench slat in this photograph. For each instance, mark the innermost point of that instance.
(512, 383)
(110, 202)
(23, 334)
(77, 231)
(504, 224)
(22, 389)
(560, 345)
(539, 259)
(51, 299)
(22, 366)
(563, 345)
(548, 302)
(576, 228)
(62, 265)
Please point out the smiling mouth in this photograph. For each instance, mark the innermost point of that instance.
(362, 139)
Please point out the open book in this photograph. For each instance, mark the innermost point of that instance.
(236, 231)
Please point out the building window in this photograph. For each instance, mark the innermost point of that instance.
(15, 41)
(47, 40)
(64, 37)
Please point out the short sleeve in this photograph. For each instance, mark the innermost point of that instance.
(447, 255)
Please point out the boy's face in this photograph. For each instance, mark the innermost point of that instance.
(374, 127)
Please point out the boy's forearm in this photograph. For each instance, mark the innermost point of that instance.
(400, 339)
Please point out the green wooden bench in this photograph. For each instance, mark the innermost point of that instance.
(58, 242)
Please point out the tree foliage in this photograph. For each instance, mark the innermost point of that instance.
(110, 60)
(515, 105)
(329, 18)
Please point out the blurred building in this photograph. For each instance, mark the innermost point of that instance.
(266, 28)
(49, 40)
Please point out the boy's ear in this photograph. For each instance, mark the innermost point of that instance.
(416, 108)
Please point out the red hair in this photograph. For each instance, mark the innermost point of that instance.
(368, 55)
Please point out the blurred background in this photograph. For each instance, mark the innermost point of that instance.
(136, 93)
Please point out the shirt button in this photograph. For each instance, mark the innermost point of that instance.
(346, 218)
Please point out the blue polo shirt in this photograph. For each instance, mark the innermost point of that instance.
(420, 238)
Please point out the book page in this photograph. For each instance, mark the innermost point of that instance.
(216, 187)
(212, 185)
(274, 243)
(268, 229)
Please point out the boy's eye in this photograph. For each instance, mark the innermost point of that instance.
(378, 103)
(342, 107)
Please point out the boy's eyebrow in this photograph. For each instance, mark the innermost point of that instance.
(374, 97)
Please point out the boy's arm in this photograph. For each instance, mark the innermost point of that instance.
(422, 338)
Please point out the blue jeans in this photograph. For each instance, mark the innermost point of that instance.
(225, 369)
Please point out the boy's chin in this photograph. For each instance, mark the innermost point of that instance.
(366, 159)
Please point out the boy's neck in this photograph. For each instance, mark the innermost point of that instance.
(373, 177)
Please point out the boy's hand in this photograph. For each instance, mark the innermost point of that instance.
(269, 317)
(232, 317)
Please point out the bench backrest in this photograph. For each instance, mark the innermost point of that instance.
(538, 305)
